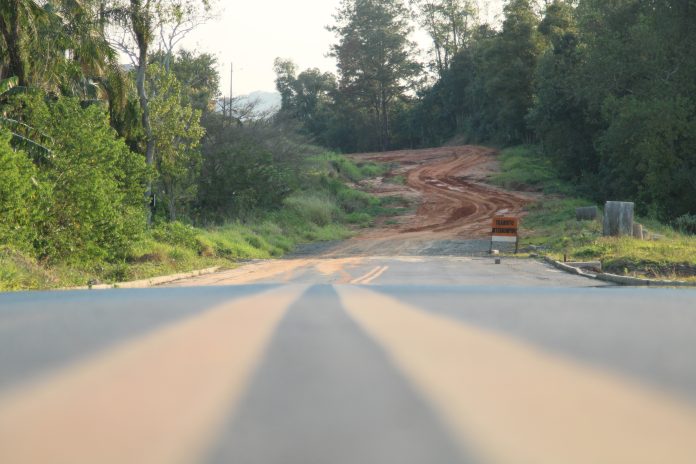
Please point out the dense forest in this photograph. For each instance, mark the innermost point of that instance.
(95, 155)
(605, 89)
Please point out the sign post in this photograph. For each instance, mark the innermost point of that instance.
(505, 230)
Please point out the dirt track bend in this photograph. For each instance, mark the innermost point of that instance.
(449, 185)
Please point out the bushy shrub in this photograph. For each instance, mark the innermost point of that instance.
(355, 200)
(346, 169)
(176, 233)
(686, 224)
(349, 170)
(372, 169)
(247, 169)
(20, 195)
(18, 272)
(96, 209)
(360, 219)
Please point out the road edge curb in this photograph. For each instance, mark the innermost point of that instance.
(618, 279)
(152, 281)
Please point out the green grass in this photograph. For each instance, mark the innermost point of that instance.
(345, 168)
(523, 168)
(19, 272)
(550, 225)
(313, 208)
(399, 180)
(175, 247)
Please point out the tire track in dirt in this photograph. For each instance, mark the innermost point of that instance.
(456, 202)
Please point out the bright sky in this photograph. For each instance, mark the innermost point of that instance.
(252, 33)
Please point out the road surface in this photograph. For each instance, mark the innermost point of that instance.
(545, 371)
(404, 345)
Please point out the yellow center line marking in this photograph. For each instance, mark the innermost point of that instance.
(514, 403)
(157, 399)
(357, 280)
(370, 276)
(374, 276)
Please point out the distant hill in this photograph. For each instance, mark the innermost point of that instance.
(266, 102)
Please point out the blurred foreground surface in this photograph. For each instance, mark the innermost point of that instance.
(404, 360)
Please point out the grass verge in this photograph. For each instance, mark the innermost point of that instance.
(551, 227)
(325, 210)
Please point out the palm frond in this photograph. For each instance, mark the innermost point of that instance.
(9, 87)
(8, 84)
(29, 139)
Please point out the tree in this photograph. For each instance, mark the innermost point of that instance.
(636, 76)
(374, 58)
(510, 67)
(18, 23)
(250, 167)
(139, 21)
(647, 153)
(176, 19)
(177, 133)
(198, 76)
(285, 71)
(559, 114)
(56, 46)
(308, 97)
(449, 24)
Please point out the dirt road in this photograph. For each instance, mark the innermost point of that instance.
(455, 203)
(455, 200)
(450, 223)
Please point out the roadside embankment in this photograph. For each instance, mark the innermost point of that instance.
(324, 209)
(550, 228)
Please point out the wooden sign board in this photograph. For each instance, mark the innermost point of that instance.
(504, 226)
(504, 229)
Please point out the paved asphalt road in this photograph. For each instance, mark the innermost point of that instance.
(355, 360)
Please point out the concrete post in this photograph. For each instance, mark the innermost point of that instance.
(638, 231)
(618, 218)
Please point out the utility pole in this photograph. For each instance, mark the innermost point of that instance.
(231, 78)
(231, 90)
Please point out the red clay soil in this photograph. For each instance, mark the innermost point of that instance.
(455, 200)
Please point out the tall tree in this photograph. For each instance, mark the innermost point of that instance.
(139, 22)
(307, 97)
(57, 46)
(198, 75)
(449, 23)
(510, 68)
(76, 57)
(559, 114)
(177, 18)
(18, 22)
(285, 71)
(374, 55)
(177, 131)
